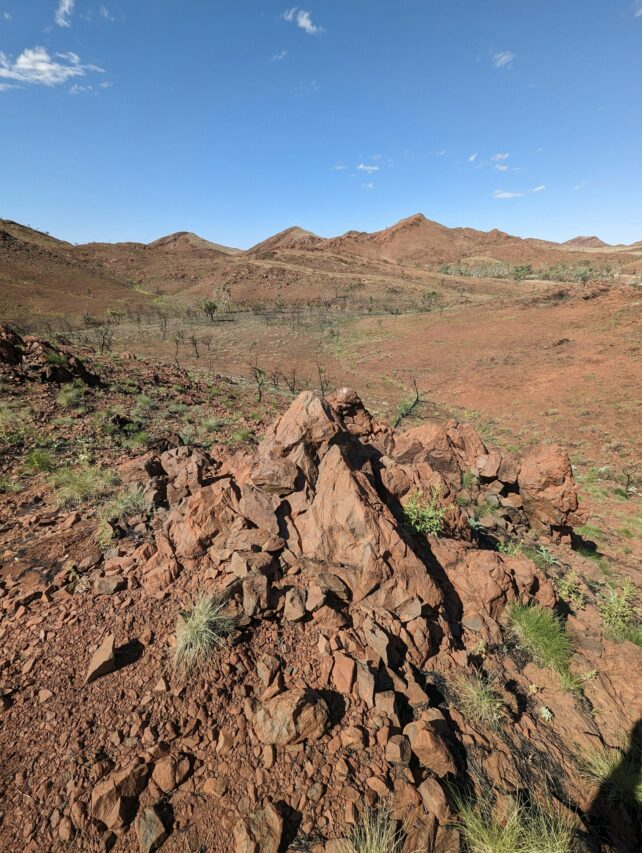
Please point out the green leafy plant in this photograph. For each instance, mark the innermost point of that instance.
(619, 613)
(200, 631)
(570, 590)
(424, 514)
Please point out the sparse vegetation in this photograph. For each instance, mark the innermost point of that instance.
(619, 614)
(376, 832)
(200, 631)
(15, 424)
(519, 829)
(38, 460)
(424, 514)
(570, 591)
(540, 633)
(478, 700)
(76, 486)
(71, 395)
(121, 507)
(616, 771)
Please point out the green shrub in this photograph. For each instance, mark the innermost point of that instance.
(570, 591)
(423, 514)
(376, 832)
(200, 631)
(477, 699)
(58, 359)
(619, 614)
(540, 633)
(76, 486)
(71, 395)
(518, 830)
(39, 459)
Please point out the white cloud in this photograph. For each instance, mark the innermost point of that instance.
(501, 167)
(538, 189)
(441, 153)
(279, 56)
(64, 12)
(7, 16)
(106, 14)
(370, 185)
(637, 9)
(363, 167)
(339, 167)
(502, 58)
(473, 157)
(497, 158)
(303, 20)
(580, 186)
(504, 194)
(35, 66)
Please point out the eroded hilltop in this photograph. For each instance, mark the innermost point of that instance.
(395, 623)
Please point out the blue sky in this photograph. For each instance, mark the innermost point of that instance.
(129, 120)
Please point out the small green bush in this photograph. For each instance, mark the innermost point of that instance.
(15, 424)
(200, 631)
(619, 614)
(39, 459)
(376, 832)
(58, 359)
(423, 514)
(518, 830)
(71, 395)
(477, 699)
(76, 486)
(540, 633)
(570, 591)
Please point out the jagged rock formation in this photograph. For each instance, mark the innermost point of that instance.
(31, 357)
(339, 689)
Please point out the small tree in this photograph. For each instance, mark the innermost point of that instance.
(194, 342)
(210, 307)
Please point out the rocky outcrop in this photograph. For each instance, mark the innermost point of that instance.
(33, 358)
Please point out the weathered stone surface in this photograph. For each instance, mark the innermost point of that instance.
(113, 800)
(261, 832)
(150, 830)
(548, 489)
(103, 660)
(292, 717)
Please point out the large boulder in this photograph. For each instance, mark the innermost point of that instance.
(291, 717)
(548, 489)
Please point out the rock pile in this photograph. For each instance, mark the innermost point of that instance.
(33, 358)
(338, 690)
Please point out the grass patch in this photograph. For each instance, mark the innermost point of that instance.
(540, 633)
(241, 436)
(616, 771)
(589, 531)
(518, 830)
(76, 486)
(201, 631)
(123, 506)
(595, 557)
(376, 832)
(57, 359)
(15, 424)
(38, 460)
(423, 514)
(475, 696)
(569, 590)
(8, 486)
(71, 395)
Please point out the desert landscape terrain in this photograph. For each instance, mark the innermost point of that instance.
(326, 543)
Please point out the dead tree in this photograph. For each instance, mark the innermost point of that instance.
(179, 338)
(194, 342)
(324, 383)
(258, 374)
(407, 407)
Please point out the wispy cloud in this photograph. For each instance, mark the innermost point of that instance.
(303, 20)
(502, 58)
(441, 153)
(501, 167)
(580, 186)
(497, 158)
(505, 194)
(370, 185)
(538, 189)
(106, 15)
(35, 66)
(279, 56)
(339, 167)
(473, 157)
(6, 16)
(64, 12)
(365, 167)
(637, 9)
